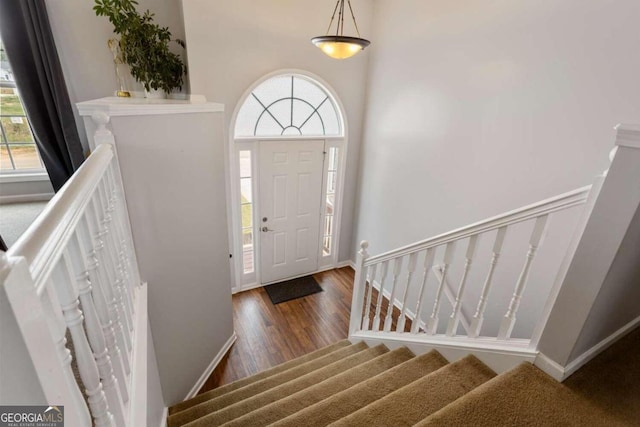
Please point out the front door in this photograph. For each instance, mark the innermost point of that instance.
(290, 196)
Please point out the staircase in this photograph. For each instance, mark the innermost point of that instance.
(349, 384)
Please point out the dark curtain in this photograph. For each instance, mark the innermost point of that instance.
(28, 41)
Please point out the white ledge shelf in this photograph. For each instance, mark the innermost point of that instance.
(115, 106)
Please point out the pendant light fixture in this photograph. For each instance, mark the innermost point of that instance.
(339, 46)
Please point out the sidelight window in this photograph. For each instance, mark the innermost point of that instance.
(246, 210)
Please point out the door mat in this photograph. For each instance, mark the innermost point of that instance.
(292, 289)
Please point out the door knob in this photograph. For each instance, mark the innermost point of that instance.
(265, 229)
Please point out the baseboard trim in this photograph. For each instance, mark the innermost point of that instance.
(165, 415)
(347, 263)
(585, 357)
(248, 287)
(138, 396)
(561, 373)
(24, 198)
(255, 285)
(214, 363)
(499, 356)
(549, 366)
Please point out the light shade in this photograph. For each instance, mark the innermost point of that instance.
(340, 47)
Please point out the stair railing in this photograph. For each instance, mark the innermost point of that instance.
(383, 272)
(74, 273)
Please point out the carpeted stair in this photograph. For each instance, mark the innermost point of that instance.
(355, 385)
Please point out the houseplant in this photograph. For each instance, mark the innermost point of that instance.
(144, 45)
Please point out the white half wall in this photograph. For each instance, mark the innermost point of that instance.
(172, 168)
(617, 302)
(234, 43)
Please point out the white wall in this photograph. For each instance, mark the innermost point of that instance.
(25, 191)
(81, 39)
(234, 43)
(475, 108)
(617, 302)
(478, 107)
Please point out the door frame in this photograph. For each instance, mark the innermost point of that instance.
(239, 280)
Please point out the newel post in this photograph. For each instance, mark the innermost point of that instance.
(359, 286)
(102, 135)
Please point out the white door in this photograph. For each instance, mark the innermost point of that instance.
(290, 195)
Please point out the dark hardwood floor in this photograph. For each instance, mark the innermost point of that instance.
(272, 334)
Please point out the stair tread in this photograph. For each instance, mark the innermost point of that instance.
(229, 413)
(257, 377)
(261, 386)
(417, 400)
(523, 396)
(291, 404)
(360, 395)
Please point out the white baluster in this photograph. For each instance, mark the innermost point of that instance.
(64, 282)
(383, 276)
(358, 288)
(454, 320)
(111, 275)
(397, 267)
(101, 302)
(113, 243)
(509, 319)
(428, 264)
(367, 307)
(122, 225)
(105, 283)
(478, 317)
(432, 323)
(413, 260)
(103, 135)
(57, 327)
(115, 216)
(94, 328)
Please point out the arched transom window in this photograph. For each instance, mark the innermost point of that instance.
(290, 105)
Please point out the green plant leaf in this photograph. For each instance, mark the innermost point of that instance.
(144, 45)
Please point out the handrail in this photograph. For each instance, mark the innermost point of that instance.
(543, 207)
(52, 229)
(76, 275)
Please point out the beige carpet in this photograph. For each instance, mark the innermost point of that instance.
(353, 385)
(322, 390)
(255, 388)
(257, 377)
(344, 403)
(524, 396)
(303, 382)
(414, 402)
(611, 381)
